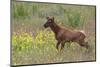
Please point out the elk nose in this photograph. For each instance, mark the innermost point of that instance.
(45, 25)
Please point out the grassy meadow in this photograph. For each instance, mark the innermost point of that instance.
(33, 44)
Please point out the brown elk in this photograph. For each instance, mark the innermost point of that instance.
(63, 35)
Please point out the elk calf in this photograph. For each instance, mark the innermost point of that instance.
(63, 35)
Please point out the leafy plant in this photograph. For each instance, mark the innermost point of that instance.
(75, 19)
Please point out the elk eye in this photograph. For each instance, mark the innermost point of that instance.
(49, 20)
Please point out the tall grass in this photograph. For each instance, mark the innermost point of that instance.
(74, 16)
(41, 48)
(75, 19)
(20, 11)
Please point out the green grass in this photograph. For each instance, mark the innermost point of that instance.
(32, 44)
(69, 15)
(39, 49)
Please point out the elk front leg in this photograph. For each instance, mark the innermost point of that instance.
(62, 45)
(58, 43)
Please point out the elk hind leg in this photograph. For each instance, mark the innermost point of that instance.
(84, 44)
(58, 43)
(62, 45)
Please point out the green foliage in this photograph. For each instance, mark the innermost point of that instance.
(21, 41)
(20, 10)
(75, 19)
(24, 40)
(41, 48)
(35, 8)
(73, 16)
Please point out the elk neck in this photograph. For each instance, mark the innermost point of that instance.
(55, 28)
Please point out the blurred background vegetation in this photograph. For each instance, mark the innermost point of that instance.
(32, 44)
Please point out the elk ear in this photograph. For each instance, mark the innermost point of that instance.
(47, 17)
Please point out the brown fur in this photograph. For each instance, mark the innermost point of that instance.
(63, 35)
